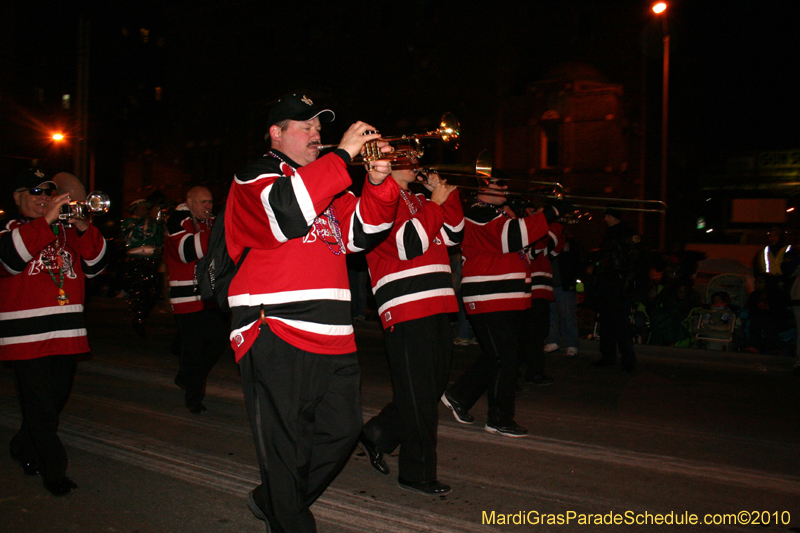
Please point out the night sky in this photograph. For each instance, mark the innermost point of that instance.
(400, 65)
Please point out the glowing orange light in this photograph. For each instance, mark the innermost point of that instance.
(790, 210)
(58, 137)
(659, 8)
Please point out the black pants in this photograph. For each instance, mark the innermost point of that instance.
(615, 332)
(204, 336)
(305, 414)
(502, 339)
(419, 353)
(43, 387)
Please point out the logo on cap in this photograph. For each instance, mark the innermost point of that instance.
(306, 100)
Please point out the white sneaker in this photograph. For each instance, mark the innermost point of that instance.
(572, 351)
(550, 348)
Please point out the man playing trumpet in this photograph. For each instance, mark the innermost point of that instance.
(292, 332)
(44, 267)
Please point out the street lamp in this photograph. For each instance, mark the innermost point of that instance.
(57, 137)
(661, 10)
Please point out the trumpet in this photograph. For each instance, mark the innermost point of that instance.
(407, 148)
(96, 203)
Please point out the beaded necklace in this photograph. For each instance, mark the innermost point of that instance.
(412, 207)
(333, 222)
(53, 253)
(198, 223)
(329, 213)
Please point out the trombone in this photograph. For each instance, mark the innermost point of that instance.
(407, 148)
(481, 171)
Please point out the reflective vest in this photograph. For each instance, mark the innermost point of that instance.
(771, 263)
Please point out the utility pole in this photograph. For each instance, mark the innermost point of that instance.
(80, 162)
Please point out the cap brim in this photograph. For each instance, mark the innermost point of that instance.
(325, 116)
(51, 183)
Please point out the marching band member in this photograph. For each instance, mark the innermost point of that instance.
(42, 328)
(497, 293)
(202, 327)
(292, 331)
(413, 288)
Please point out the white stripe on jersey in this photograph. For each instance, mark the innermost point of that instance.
(411, 272)
(415, 297)
(39, 337)
(42, 311)
(251, 300)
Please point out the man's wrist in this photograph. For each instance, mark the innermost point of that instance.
(344, 154)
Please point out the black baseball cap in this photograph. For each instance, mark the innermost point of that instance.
(32, 178)
(297, 107)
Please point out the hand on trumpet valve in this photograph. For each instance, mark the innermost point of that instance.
(357, 136)
(378, 171)
(53, 209)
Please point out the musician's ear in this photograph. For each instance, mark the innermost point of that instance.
(275, 133)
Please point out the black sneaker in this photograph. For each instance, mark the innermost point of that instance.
(460, 413)
(512, 429)
(434, 488)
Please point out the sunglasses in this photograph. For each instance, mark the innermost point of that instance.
(38, 192)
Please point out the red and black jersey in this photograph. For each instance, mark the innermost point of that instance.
(410, 270)
(187, 241)
(299, 222)
(539, 254)
(496, 271)
(35, 262)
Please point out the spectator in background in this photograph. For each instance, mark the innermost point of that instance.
(768, 262)
(768, 316)
(567, 269)
(791, 267)
(616, 277)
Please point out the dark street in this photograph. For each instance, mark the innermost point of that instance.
(692, 433)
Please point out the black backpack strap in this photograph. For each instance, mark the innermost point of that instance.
(241, 259)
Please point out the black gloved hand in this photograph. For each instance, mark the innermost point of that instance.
(551, 213)
(558, 209)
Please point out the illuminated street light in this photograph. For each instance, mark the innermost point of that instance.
(661, 10)
(57, 137)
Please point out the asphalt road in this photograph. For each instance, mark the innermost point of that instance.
(693, 434)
